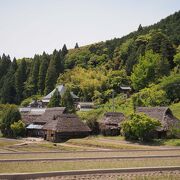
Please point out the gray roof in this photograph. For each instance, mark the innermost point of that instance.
(34, 126)
(66, 123)
(125, 87)
(49, 114)
(113, 118)
(162, 114)
(61, 89)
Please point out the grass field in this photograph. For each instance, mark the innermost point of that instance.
(77, 165)
(86, 154)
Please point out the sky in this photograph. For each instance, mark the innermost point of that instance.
(29, 27)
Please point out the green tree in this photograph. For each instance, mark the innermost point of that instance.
(139, 127)
(55, 99)
(18, 129)
(31, 86)
(8, 91)
(64, 51)
(51, 77)
(76, 46)
(10, 116)
(177, 59)
(20, 78)
(67, 101)
(42, 72)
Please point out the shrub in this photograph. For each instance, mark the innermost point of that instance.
(139, 127)
(10, 116)
(18, 128)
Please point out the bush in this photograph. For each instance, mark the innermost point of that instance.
(91, 119)
(18, 128)
(139, 127)
(10, 116)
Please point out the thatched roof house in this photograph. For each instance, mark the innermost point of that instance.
(49, 114)
(65, 126)
(164, 116)
(110, 124)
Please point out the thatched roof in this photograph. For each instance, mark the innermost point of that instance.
(162, 114)
(28, 118)
(66, 123)
(50, 114)
(113, 118)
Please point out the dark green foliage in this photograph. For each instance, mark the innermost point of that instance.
(20, 78)
(76, 46)
(42, 72)
(18, 129)
(64, 51)
(139, 127)
(140, 28)
(55, 99)
(67, 101)
(51, 77)
(10, 116)
(8, 91)
(31, 86)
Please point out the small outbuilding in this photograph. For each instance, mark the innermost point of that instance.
(111, 123)
(65, 126)
(164, 116)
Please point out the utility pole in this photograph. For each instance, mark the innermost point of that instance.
(113, 101)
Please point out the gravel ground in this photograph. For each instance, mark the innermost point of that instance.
(159, 175)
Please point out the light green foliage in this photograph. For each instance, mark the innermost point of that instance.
(171, 85)
(175, 108)
(18, 128)
(27, 101)
(177, 59)
(55, 99)
(139, 127)
(9, 116)
(84, 82)
(151, 66)
(152, 96)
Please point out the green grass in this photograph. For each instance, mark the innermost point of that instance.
(44, 166)
(175, 108)
(94, 141)
(166, 142)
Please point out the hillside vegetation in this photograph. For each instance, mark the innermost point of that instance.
(148, 60)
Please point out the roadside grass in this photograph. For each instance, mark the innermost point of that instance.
(7, 142)
(175, 108)
(166, 142)
(93, 141)
(45, 166)
(86, 154)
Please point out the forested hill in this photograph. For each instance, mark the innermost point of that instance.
(147, 59)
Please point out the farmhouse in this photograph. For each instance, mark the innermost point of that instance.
(65, 126)
(53, 125)
(164, 116)
(110, 125)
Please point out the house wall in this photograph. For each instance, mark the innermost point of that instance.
(59, 136)
(35, 133)
(49, 135)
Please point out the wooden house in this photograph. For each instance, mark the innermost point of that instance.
(164, 116)
(65, 126)
(111, 123)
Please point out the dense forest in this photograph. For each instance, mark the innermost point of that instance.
(148, 60)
